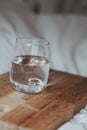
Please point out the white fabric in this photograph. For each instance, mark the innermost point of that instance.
(67, 36)
(68, 44)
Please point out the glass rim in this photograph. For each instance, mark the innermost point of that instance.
(40, 40)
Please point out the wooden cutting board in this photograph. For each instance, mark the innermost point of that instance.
(64, 96)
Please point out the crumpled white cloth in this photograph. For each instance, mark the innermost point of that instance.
(67, 36)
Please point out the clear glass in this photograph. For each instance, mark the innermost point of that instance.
(30, 67)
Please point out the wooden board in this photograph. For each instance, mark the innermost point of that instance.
(64, 96)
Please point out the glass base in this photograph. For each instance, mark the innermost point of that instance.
(27, 88)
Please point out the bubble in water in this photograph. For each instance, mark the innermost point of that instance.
(34, 81)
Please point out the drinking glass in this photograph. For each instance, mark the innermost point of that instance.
(30, 66)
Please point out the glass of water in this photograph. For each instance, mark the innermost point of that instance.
(30, 67)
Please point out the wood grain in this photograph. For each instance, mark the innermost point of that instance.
(63, 97)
